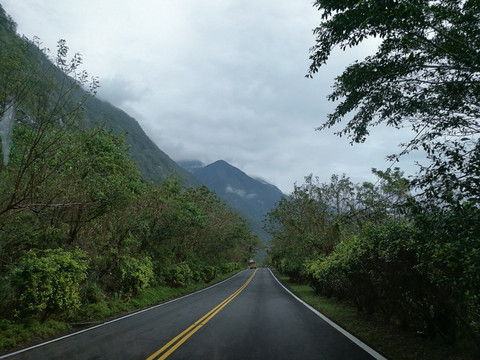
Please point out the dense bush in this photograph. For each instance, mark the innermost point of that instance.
(229, 267)
(136, 274)
(400, 272)
(203, 273)
(374, 270)
(317, 217)
(48, 281)
(450, 258)
(179, 275)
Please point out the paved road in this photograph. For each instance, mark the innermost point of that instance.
(250, 316)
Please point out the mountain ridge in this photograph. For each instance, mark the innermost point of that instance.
(251, 197)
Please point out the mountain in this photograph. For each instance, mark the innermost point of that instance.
(252, 198)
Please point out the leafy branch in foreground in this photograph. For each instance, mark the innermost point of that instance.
(425, 75)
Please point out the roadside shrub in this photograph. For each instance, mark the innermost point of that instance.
(389, 255)
(203, 273)
(376, 270)
(343, 275)
(47, 282)
(180, 275)
(450, 259)
(229, 267)
(325, 278)
(14, 334)
(136, 274)
(421, 275)
(7, 297)
(92, 292)
(293, 267)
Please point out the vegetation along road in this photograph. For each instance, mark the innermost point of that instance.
(249, 316)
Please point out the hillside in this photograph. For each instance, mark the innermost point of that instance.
(153, 163)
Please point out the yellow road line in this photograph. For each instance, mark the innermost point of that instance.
(178, 340)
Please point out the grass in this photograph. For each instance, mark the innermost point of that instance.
(386, 338)
(14, 335)
(24, 333)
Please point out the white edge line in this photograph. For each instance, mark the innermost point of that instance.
(114, 320)
(357, 341)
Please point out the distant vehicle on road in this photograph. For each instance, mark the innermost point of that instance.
(252, 264)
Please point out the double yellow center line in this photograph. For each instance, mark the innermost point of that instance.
(178, 340)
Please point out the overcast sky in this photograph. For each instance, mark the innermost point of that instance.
(216, 79)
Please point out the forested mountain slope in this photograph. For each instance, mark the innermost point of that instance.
(152, 162)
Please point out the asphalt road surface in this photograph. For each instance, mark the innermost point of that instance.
(250, 316)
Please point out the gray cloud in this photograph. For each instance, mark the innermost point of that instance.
(217, 79)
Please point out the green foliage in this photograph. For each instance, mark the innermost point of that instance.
(415, 265)
(450, 257)
(105, 170)
(424, 75)
(15, 334)
(203, 273)
(230, 267)
(373, 270)
(316, 217)
(180, 275)
(48, 281)
(420, 282)
(136, 274)
(423, 270)
(52, 201)
(310, 222)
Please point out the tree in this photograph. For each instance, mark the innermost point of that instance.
(310, 222)
(50, 106)
(425, 74)
(387, 198)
